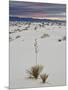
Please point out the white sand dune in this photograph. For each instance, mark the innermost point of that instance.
(51, 54)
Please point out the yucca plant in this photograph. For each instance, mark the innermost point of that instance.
(35, 71)
(44, 77)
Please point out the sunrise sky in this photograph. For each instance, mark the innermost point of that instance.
(37, 10)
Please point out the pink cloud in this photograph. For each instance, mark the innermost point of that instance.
(39, 14)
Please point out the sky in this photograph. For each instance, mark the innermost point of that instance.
(30, 9)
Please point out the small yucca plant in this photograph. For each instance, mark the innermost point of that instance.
(44, 77)
(35, 71)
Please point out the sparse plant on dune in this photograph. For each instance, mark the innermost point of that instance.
(45, 35)
(64, 38)
(43, 24)
(44, 77)
(59, 40)
(35, 28)
(17, 37)
(11, 39)
(35, 71)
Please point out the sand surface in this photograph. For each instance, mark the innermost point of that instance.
(51, 53)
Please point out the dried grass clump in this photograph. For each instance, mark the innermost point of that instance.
(17, 37)
(45, 35)
(64, 38)
(35, 71)
(44, 77)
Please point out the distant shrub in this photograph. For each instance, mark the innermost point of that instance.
(35, 28)
(17, 37)
(45, 35)
(64, 38)
(10, 39)
(59, 40)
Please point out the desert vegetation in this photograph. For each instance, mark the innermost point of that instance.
(62, 39)
(44, 77)
(45, 35)
(35, 71)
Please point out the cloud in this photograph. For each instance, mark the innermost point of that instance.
(37, 9)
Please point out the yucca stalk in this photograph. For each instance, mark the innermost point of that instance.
(36, 49)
